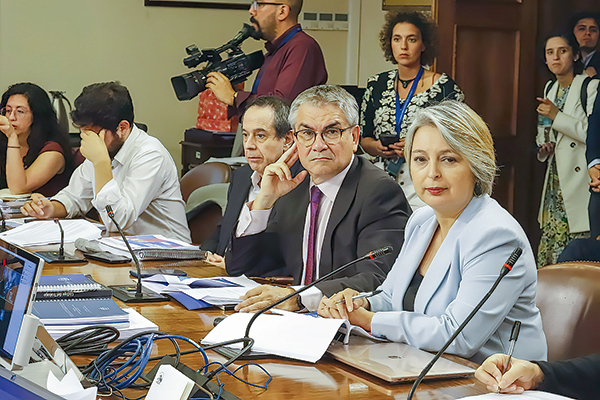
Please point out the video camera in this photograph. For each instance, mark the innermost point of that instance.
(237, 67)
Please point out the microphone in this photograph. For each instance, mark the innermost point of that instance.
(247, 339)
(243, 34)
(60, 255)
(61, 249)
(128, 293)
(506, 268)
(3, 228)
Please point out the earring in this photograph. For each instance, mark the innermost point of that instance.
(478, 190)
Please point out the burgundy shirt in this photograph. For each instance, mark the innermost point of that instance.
(288, 70)
(58, 181)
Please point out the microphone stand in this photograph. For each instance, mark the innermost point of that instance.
(249, 341)
(129, 293)
(506, 268)
(59, 256)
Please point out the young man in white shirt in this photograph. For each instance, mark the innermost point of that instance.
(124, 168)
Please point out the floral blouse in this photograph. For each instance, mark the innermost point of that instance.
(378, 108)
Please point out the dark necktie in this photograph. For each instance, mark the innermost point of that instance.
(315, 200)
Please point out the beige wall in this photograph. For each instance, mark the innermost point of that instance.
(67, 44)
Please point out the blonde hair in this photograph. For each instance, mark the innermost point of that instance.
(466, 133)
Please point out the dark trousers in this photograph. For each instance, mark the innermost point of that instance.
(586, 249)
(594, 212)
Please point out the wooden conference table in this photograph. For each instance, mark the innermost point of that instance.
(326, 379)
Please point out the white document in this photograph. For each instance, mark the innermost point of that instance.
(299, 336)
(70, 388)
(527, 395)
(47, 232)
(170, 283)
(170, 384)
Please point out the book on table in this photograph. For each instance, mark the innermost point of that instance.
(70, 286)
(152, 247)
(94, 311)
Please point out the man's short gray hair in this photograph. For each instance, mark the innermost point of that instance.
(466, 133)
(326, 94)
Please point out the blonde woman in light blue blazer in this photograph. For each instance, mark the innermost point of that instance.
(455, 247)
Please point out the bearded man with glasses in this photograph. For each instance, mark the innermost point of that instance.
(305, 227)
(294, 60)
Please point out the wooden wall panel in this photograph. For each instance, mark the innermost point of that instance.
(487, 66)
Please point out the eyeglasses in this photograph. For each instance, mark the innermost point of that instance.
(19, 112)
(255, 4)
(330, 135)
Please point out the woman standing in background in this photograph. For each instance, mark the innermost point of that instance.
(393, 97)
(563, 214)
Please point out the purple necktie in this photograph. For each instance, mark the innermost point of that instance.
(315, 199)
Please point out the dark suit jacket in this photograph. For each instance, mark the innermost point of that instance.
(239, 186)
(578, 378)
(592, 150)
(370, 211)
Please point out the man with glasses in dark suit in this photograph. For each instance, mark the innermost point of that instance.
(338, 209)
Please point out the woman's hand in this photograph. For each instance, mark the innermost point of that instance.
(547, 108)
(355, 311)
(398, 148)
(545, 150)
(375, 148)
(6, 127)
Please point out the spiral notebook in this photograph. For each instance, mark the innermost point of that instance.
(70, 286)
(153, 247)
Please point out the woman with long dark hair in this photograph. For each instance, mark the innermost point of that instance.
(562, 131)
(35, 154)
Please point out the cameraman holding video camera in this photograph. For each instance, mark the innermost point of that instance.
(294, 61)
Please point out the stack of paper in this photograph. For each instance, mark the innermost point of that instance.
(195, 293)
(152, 247)
(47, 232)
(300, 336)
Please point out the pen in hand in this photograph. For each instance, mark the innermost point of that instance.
(361, 296)
(514, 335)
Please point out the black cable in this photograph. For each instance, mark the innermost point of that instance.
(88, 340)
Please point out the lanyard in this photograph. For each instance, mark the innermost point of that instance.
(262, 70)
(401, 109)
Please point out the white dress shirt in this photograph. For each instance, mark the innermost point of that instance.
(144, 192)
(255, 221)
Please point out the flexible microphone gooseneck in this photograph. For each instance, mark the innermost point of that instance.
(126, 293)
(249, 341)
(3, 228)
(61, 249)
(506, 268)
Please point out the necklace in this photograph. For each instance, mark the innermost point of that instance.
(405, 83)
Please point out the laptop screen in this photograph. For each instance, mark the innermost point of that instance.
(19, 274)
(15, 387)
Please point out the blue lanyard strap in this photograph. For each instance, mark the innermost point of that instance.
(283, 42)
(401, 109)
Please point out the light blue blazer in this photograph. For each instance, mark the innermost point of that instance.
(463, 270)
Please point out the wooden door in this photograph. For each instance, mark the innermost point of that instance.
(489, 48)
